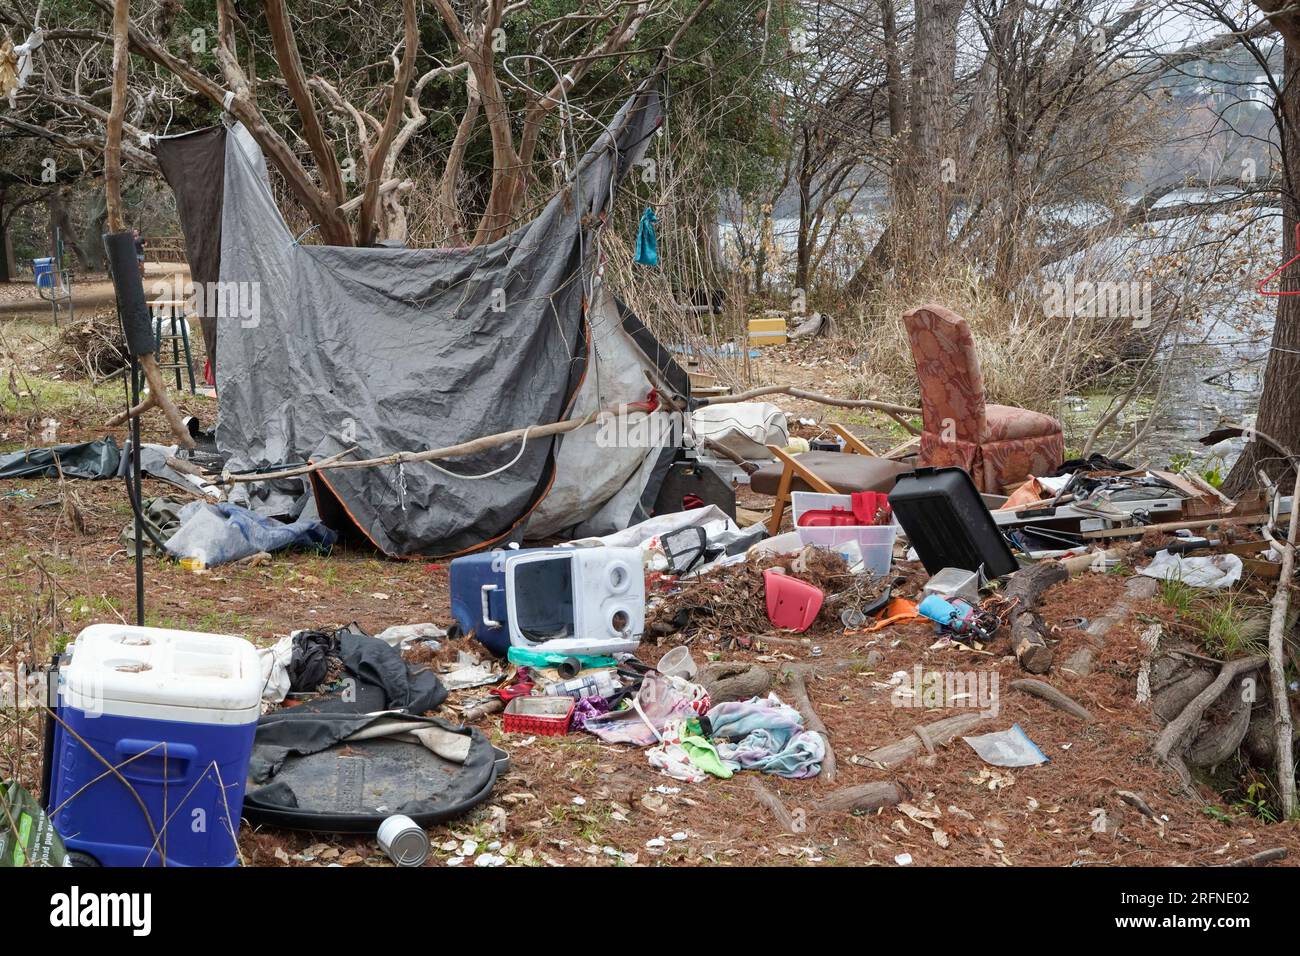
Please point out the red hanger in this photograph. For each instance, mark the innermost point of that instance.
(1278, 271)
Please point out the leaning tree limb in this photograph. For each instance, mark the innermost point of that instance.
(887, 407)
(1282, 732)
(157, 398)
(438, 454)
(115, 220)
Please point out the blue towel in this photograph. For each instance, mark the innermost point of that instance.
(647, 244)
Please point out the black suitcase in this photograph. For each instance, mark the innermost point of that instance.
(948, 524)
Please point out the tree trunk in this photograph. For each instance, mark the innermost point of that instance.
(803, 251)
(924, 184)
(1279, 412)
(7, 265)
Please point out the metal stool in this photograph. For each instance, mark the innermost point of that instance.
(173, 311)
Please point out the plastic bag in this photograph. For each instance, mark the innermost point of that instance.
(1007, 748)
(1200, 571)
(35, 842)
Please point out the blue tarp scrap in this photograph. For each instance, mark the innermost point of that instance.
(214, 534)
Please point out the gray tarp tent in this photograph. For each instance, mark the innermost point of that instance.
(324, 347)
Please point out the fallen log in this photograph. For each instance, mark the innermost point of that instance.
(753, 393)
(1045, 691)
(924, 737)
(1261, 858)
(1025, 589)
(862, 796)
(774, 805)
(734, 680)
(1080, 663)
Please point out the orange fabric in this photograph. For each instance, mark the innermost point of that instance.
(898, 609)
(1031, 492)
(997, 445)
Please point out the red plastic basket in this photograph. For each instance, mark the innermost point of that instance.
(547, 716)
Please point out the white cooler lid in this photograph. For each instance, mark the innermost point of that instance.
(184, 671)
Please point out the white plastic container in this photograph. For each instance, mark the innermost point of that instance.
(678, 663)
(161, 674)
(575, 600)
(876, 541)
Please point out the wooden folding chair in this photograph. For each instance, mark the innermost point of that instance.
(840, 472)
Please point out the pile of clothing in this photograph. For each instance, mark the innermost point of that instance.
(690, 739)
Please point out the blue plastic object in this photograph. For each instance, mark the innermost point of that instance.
(43, 272)
(478, 599)
(173, 714)
(950, 614)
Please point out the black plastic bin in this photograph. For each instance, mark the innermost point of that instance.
(948, 524)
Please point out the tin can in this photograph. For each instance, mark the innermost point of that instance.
(403, 840)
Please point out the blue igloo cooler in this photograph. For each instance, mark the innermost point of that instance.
(174, 713)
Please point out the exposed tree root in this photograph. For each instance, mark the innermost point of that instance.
(1181, 731)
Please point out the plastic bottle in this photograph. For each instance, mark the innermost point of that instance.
(597, 684)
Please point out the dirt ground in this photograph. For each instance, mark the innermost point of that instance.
(576, 801)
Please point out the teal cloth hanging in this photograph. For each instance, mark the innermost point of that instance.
(647, 245)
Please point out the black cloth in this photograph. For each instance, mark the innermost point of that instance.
(381, 680)
(301, 778)
(1094, 462)
(310, 660)
(194, 165)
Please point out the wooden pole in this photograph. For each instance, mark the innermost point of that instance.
(116, 118)
(116, 221)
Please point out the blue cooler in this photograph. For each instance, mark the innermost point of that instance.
(175, 713)
(555, 600)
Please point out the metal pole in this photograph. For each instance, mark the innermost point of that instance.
(138, 506)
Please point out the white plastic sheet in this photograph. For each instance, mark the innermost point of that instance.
(1199, 571)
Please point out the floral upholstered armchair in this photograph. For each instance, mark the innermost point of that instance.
(998, 445)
